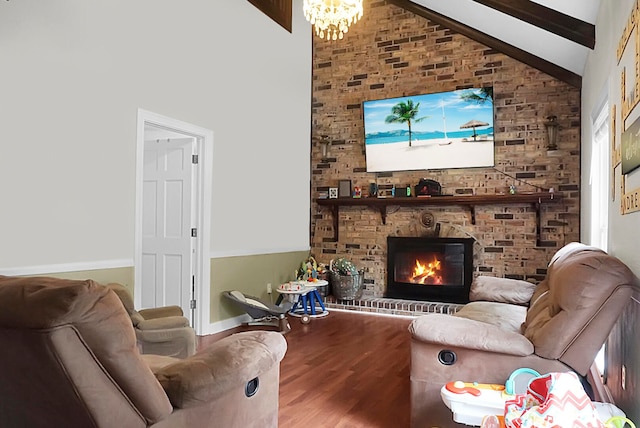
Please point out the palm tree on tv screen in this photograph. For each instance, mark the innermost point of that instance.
(405, 112)
(480, 96)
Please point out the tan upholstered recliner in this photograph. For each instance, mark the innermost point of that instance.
(68, 358)
(160, 331)
(570, 315)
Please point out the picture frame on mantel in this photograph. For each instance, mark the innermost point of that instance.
(344, 189)
(278, 10)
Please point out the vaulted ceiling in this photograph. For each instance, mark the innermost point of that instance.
(554, 36)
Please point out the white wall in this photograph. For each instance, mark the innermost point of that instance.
(72, 77)
(602, 75)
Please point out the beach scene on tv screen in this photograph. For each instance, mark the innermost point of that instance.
(431, 131)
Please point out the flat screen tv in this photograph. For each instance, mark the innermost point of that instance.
(431, 131)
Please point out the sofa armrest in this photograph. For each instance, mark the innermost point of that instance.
(449, 330)
(502, 290)
(161, 312)
(162, 323)
(227, 363)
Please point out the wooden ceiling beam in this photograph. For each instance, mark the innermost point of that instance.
(548, 19)
(525, 57)
(281, 11)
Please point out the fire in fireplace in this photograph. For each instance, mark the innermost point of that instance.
(425, 272)
(429, 269)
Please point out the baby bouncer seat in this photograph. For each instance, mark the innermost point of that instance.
(262, 313)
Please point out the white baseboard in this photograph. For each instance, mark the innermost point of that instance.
(224, 325)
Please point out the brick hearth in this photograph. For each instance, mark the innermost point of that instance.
(386, 306)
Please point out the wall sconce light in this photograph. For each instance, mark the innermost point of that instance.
(325, 143)
(552, 132)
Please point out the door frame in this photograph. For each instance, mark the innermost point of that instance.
(203, 184)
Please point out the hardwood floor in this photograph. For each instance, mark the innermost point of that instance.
(346, 370)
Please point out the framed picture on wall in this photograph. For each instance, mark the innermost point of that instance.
(631, 148)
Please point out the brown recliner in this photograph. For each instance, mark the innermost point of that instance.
(160, 331)
(569, 317)
(68, 358)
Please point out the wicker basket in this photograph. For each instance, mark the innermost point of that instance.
(347, 287)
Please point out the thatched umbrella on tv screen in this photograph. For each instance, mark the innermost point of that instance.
(473, 124)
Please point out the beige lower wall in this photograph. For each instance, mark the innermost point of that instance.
(249, 274)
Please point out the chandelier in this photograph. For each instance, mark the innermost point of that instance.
(331, 18)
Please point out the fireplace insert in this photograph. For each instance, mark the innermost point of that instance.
(429, 269)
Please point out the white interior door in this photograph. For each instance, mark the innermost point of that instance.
(167, 222)
(155, 127)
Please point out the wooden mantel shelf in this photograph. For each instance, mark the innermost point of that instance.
(470, 201)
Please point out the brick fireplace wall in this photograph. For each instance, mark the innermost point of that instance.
(394, 53)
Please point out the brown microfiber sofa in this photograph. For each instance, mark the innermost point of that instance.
(568, 318)
(68, 358)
